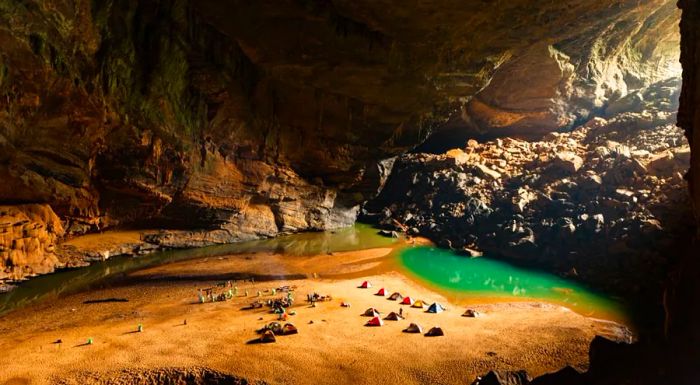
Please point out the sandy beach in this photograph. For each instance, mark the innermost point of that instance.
(333, 345)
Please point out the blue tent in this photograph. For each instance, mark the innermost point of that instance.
(435, 308)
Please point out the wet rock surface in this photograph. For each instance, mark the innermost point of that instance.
(596, 203)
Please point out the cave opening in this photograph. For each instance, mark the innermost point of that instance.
(516, 172)
(568, 159)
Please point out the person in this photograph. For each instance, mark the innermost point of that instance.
(401, 312)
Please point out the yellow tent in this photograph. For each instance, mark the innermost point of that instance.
(418, 304)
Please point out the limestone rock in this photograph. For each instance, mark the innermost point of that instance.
(28, 237)
(568, 162)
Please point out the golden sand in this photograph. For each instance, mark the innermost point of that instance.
(335, 349)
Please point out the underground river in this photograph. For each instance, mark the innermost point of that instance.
(462, 280)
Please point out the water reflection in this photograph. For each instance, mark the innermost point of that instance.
(73, 280)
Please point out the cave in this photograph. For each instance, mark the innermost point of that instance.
(197, 191)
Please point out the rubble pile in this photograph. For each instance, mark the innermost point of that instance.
(598, 202)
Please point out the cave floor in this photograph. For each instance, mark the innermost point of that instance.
(336, 348)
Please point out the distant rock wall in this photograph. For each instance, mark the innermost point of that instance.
(28, 238)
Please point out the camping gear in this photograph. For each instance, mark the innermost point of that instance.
(382, 292)
(419, 304)
(371, 312)
(435, 308)
(435, 332)
(268, 336)
(471, 313)
(288, 329)
(413, 328)
(275, 327)
(395, 296)
(393, 317)
(345, 304)
(407, 301)
(376, 321)
(365, 285)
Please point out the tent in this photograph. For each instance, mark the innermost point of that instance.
(288, 329)
(407, 301)
(413, 328)
(435, 308)
(419, 304)
(268, 336)
(382, 292)
(435, 332)
(365, 285)
(371, 312)
(376, 321)
(471, 313)
(393, 316)
(395, 296)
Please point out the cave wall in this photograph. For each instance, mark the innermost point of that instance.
(560, 83)
(255, 118)
(689, 112)
(684, 289)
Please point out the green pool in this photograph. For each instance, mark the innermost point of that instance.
(457, 277)
(466, 279)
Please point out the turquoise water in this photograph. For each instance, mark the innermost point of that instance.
(467, 279)
(458, 277)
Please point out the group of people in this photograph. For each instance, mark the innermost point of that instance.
(210, 294)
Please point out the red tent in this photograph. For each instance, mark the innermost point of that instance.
(376, 321)
(382, 292)
(407, 301)
(365, 285)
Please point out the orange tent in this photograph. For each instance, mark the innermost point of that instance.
(382, 292)
(365, 285)
(393, 317)
(413, 328)
(376, 321)
(407, 301)
(371, 312)
(435, 332)
(395, 296)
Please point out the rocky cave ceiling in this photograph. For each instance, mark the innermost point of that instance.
(270, 116)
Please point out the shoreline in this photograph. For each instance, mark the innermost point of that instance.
(94, 244)
(536, 336)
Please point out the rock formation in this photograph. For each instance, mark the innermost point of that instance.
(28, 237)
(235, 120)
(599, 202)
